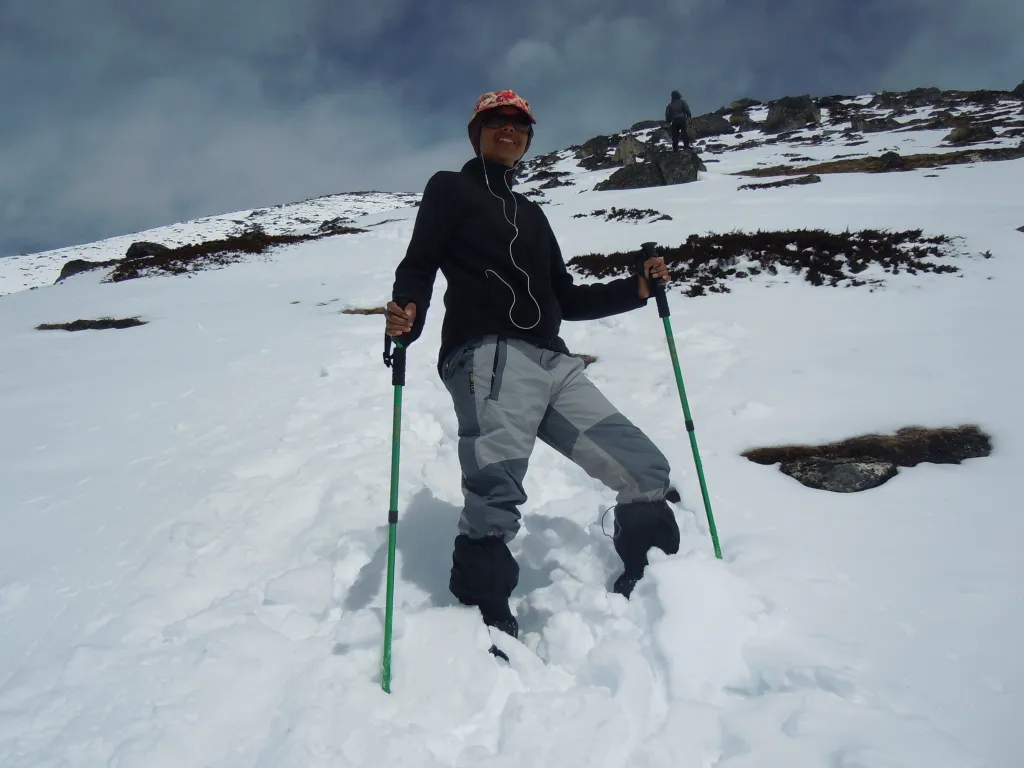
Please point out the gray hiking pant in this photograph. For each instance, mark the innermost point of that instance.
(508, 393)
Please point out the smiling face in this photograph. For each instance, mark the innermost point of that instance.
(503, 135)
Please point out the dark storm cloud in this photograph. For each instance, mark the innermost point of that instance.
(119, 115)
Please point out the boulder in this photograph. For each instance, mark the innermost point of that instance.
(644, 125)
(678, 167)
(892, 161)
(749, 125)
(745, 104)
(593, 153)
(791, 113)
(660, 168)
(918, 97)
(739, 117)
(709, 125)
(840, 475)
(78, 266)
(1019, 90)
(628, 149)
(968, 134)
(142, 249)
(876, 125)
(635, 176)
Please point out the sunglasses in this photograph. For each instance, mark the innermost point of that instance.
(497, 120)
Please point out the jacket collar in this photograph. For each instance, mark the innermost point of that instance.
(500, 176)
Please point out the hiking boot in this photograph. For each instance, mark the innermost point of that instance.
(638, 527)
(484, 573)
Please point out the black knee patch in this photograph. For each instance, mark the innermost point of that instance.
(640, 526)
(484, 571)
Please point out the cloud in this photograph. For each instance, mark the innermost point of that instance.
(120, 115)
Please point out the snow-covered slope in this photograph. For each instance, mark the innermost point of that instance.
(194, 510)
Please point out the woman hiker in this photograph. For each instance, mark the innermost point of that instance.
(511, 378)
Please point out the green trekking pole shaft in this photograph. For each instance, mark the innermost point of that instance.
(663, 312)
(396, 361)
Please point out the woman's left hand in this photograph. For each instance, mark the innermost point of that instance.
(653, 267)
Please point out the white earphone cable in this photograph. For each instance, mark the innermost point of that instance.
(515, 213)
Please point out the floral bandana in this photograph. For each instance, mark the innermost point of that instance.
(502, 99)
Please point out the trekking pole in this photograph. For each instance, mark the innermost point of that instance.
(396, 361)
(663, 312)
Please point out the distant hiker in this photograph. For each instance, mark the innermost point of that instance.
(510, 377)
(677, 115)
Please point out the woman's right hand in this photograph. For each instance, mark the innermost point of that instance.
(400, 321)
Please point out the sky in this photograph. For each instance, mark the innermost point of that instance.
(116, 115)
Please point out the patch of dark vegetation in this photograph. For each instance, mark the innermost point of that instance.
(100, 324)
(908, 447)
(363, 311)
(808, 179)
(867, 461)
(551, 178)
(888, 162)
(626, 214)
(145, 259)
(704, 263)
(541, 162)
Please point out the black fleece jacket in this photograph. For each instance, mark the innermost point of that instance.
(503, 266)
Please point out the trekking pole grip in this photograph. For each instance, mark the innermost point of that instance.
(657, 288)
(395, 360)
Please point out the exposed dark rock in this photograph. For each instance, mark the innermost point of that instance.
(635, 176)
(1019, 90)
(709, 125)
(645, 125)
(892, 161)
(660, 168)
(918, 97)
(363, 311)
(102, 324)
(840, 475)
(747, 126)
(791, 113)
(628, 149)
(1020, 229)
(337, 225)
(740, 117)
(593, 154)
(832, 102)
(809, 179)
(77, 266)
(745, 104)
(876, 125)
(968, 134)
(141, 249)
